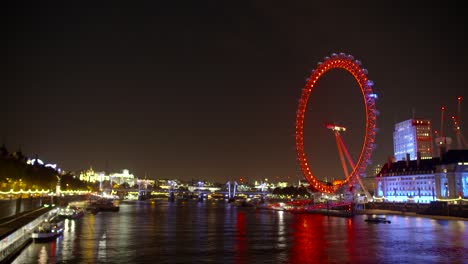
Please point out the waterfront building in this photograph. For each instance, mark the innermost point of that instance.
(123, 177)
(423, 181)
(169, 184)
(375, 170)
(90, 175)
(145, 183)
(451, 176)
(283, 184)
(411, 137)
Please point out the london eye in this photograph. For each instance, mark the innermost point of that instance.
(348, 63)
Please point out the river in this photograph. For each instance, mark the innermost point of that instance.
(217, 232)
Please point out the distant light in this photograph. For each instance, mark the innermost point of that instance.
(53, 166)
(37, 160)
(373, 95)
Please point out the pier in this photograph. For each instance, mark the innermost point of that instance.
(15, 231)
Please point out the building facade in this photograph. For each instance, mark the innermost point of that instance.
(119, 178)
(424, 181)
(451, 176)
(90, 175)
(411, 138)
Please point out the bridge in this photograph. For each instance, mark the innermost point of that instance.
(229, 192)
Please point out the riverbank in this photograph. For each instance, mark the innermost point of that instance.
(411, 214)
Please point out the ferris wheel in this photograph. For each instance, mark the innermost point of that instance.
(348, 63)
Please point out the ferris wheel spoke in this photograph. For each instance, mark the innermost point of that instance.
(348, 63)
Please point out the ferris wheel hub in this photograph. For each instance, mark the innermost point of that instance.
(335, 128)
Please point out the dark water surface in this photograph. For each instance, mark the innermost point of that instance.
(217, 232)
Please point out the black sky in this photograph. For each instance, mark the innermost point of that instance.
(209, 89)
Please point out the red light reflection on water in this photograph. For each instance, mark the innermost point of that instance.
(309, 243)
(241, 241)
(350, 245)
(53, 248)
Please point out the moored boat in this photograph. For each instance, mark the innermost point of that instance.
(48, 230)
(103, 205)
(71, 212)
(377, 220)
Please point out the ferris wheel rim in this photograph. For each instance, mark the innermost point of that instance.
(348, 63)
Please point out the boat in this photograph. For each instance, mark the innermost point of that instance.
(71, 212)
(103, 205)
(48, 230)
(377, 220)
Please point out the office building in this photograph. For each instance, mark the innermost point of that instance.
(411, 138)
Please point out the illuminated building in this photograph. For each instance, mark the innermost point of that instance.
(413, 137)
(423, 181)
(282, 184)
(92, 176)
(451, 176)
(144, 183)
(375, 170)
(124, 177)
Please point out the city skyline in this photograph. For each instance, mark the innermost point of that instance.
(210, 90)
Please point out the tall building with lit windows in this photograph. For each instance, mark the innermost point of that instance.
(413, 137)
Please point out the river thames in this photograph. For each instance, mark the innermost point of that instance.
(217, 232)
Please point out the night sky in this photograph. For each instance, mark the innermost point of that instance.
(209, 89)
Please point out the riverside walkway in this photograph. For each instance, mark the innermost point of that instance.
(15, 231)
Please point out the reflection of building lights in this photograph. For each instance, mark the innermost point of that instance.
(69, 192)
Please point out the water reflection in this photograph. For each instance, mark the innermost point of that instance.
(350, 241)
(309, 242)
(241, 240)
(43, 256)
(281, 234)
(68, 238)
(206, 232)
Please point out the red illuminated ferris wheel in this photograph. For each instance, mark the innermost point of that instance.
(348, 63)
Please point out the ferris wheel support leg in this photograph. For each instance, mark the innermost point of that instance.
(340, 152)
(358, 177)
